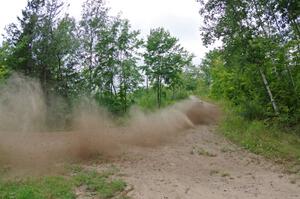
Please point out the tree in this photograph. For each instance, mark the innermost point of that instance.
(4, 54)
(259, 51)
(94, 21)
(65, 49)
(42, 45)
(117, 74)
(129, 77)
(45, 49)
(20, 39)
(164, 59)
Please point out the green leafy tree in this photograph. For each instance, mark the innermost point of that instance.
(94, 21)
(42, 45)
(4, 71)
(117, 74)
(260, 53)
(20, 39)
(164, 59)
(129, 74)
(65, 49)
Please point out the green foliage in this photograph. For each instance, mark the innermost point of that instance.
(99, 183)
(36, 188)
(147, 99)
(98, 57)
(256, 72)
(258, 66)
(165, 60)
(60, 187)
(42, 44)
(191, 83)
(94, 21)
(109, 48)
(117, 75)
(3, 73)
(259, 138)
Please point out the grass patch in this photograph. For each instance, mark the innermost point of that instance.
(100, 183)
(261, 139)
(62, 187)
(56, 187)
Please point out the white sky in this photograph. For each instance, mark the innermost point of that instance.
(180, 17)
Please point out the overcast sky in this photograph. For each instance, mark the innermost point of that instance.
(180, 17)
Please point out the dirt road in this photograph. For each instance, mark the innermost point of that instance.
(203, 164)
(172, 153)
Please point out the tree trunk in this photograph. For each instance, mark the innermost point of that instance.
(269, 91)
(158, 91)
(173, 93)
(91, 62)
(125, 100)
(291, 77)
(147, 83)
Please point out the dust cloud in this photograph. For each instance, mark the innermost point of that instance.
(26, 142)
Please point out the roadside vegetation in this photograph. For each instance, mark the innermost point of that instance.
(275, 143)
(80, 182)
(255, 75)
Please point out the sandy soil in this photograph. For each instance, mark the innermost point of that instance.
(203, 164)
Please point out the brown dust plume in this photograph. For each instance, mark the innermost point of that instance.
(26, 143)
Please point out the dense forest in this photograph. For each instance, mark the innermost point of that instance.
(258, 66)
(102, 57)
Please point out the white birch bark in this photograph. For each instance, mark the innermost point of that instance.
(269, 91)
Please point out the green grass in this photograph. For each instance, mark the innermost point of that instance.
(62, 187)
(47, 187)
(100, 183)
(259, 138)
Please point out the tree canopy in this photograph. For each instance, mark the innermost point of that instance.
(99, 56)
(258, 65)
